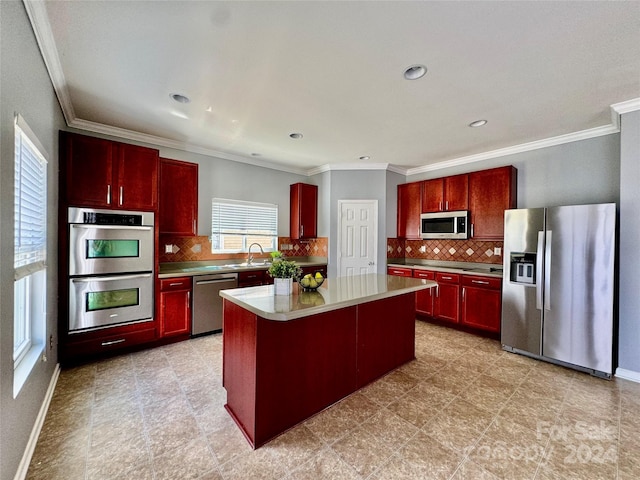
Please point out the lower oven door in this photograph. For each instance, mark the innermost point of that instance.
(98, 302)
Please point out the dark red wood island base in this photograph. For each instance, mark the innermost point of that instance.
(279, 371)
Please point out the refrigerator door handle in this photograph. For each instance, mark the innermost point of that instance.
(547, 271)
(539, 270)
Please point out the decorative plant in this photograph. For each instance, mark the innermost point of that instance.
(285, 269)
(276, 255)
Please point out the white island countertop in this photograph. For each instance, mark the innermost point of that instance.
(335, 293)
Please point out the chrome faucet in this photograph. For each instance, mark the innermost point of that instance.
(250, 258)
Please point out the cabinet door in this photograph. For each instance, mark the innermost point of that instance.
(456, 192)
(178, 207)
(175, 312)
(252, 278)
(424, 298)
(303, 211)
(482, 303)
(433, 195)
(491, 192)
(409, 206)
(137, 178)
(446, 305)
(88, 170)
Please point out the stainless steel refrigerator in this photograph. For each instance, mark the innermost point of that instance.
(558, 285)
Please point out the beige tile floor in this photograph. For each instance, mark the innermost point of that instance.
(464, 409)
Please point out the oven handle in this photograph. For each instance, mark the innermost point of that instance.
(111, 227)
(110, 279)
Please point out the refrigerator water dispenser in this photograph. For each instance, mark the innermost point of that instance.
(523, 268)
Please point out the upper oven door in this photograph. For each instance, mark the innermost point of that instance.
(99, 249)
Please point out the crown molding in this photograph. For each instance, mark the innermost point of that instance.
(523, 147)
(37, 13)
(154, 140)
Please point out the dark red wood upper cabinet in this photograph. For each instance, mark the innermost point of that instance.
(137, 177)
(491, 192)
(102, 173)
(432, 195)
(86, 169)
(409, 205)
(178, 207)
(303, 219)
(445, 194)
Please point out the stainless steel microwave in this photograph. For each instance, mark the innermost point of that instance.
(444, 225)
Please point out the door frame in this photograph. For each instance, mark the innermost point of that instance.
(374, 203)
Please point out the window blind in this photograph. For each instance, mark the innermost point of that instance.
(30, 200)
(243, 218)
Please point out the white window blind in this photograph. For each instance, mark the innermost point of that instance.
(236, 224)
(30, 200)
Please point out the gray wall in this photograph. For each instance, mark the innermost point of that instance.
(357, 185)
(581, 172)
(25, 88)
(629, 344)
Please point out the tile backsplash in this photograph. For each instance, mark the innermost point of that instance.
(450, 250)
(198, 248)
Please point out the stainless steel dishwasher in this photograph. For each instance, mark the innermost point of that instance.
(207, 302)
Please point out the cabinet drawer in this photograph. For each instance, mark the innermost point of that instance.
(178, 283)
(251, 278)
(482, 282)
(452, 278)
(401, 272)
(424, 274)
(109, 343)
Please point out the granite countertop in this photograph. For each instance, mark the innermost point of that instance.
(334, 294)
(465, 268)
(190, 269)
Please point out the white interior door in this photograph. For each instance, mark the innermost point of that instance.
(358, 237)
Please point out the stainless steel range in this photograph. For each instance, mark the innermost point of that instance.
(110, 268)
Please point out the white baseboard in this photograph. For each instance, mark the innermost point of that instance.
(628, 374)
(23, 468)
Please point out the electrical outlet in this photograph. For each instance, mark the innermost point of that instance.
(50, 342)
(423, 249)
(497, 251)
(168, 248)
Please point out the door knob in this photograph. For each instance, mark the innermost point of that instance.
(371, 263)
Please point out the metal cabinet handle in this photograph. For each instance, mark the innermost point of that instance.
(480, 282)
(175, 284)
(302, 230)
(446, 205)
(463, 291)
(121, 195)
(440, 206)
(113, 342)
(447, 278)
(472, 230)
(109, 194)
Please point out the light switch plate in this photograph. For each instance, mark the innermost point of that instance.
(168, 249)
(497, 251)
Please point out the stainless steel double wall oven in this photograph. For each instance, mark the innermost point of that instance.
(111, 262)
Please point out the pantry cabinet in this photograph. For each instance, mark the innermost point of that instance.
(303, 219)
(491, 192)
(482, 302)
(178, 208)
(175, 307)
(409, 205)
(100, 173)
(445, 194)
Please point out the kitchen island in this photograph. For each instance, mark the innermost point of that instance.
(286, 358)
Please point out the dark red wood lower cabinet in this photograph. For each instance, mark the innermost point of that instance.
(278, 373)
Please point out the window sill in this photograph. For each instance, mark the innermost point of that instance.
(24, 367)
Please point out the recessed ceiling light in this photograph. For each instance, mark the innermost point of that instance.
(295, 135)
(209, 109)
(365, 157)
(478, 123)
(415, 72)
(180, 98)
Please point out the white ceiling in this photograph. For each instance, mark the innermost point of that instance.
(333, 71)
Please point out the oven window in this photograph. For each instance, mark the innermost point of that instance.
(128, 297)
(113, 248)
